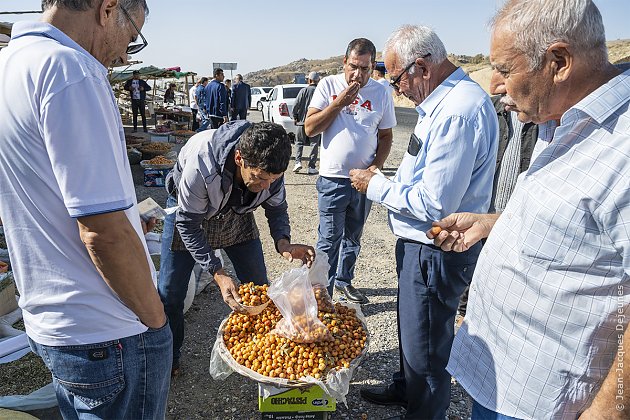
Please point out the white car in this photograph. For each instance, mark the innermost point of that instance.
(279, 106)
(259, 95)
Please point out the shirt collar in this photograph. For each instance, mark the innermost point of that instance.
(33, 28)
(603, 101)
(432, 101)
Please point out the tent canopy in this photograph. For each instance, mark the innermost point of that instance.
(152, 71)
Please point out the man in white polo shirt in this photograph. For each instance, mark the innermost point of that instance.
(86, 282)
(355, 116)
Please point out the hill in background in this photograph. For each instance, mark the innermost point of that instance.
(477, 66)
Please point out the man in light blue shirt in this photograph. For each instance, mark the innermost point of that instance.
(449, 165)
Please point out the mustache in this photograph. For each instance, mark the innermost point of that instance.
(508, 101)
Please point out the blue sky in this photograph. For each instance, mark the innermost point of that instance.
(262, 34)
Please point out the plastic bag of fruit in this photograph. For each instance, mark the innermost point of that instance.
(294, 297)
(318, 276)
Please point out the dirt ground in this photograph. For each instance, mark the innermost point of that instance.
(195, 395)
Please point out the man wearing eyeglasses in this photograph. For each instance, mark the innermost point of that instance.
(355, 116)
(86, 281)
(449, 164)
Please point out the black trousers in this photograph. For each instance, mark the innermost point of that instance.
(195, 123)
(137, 107)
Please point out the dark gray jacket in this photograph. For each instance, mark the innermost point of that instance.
(203, 180)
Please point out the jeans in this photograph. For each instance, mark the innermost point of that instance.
(137, 107)
(342, 214)
(176, 267)
(479, 412)
(124, 378)
(430, 283)
(238, 114)
(299, 147)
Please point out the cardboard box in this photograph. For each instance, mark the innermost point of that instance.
(155, 177)
(295, 400)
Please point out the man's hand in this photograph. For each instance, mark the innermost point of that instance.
(229, 291)
(148, 225)
(348, 95)
(360, 178)
(289, 251)
(459, 231)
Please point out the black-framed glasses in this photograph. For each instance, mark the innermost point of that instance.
(394, 84)
(134, 48)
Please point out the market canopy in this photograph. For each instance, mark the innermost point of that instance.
(149, 71)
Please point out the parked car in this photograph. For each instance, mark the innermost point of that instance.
(259, 95)
(279, 106)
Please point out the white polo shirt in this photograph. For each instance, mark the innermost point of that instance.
(351, 139)
(62, 156)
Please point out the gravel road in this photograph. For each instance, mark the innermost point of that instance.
(195, 395)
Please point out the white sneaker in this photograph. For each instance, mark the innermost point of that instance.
(312, 171)
(297, 168)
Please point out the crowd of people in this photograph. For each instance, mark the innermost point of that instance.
(521, 202)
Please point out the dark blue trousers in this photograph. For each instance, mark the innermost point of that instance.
(430, 283)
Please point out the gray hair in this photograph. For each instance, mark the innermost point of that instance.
(83, 5)
(410, 42)
(536, 24)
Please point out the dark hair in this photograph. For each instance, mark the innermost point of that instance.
(227, 81)
(381, 70)
(266, 146)
(361, 46)
(217, 71)
(204, 80)
(83, 5)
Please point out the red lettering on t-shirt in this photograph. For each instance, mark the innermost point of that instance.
(367, 105)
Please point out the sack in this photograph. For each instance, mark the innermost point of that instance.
(294, 297)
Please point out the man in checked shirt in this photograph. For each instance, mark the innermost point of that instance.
(545, 334)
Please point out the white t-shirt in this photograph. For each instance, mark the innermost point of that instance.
(383, 81)
(192, 94)
(351, 139)
(62, 156)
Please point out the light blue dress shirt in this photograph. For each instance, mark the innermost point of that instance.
(457, 139)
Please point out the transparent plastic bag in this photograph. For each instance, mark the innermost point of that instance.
(318, 276)
(293, 295)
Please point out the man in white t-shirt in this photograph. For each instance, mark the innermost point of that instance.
(192, 95)
(87, 285)
(355, 116)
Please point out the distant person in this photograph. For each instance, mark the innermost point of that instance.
(228, 89)
(192, 97)
(169, 94)
(203, 116)
(379, 75)
(241, 99)
(84, 274)
(138, 89)
(300, 109)
(355, 116)
(216, 101)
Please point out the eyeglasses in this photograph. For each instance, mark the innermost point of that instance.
(394, 84)
(134, 48)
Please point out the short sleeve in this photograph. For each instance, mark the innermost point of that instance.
(87, 157)
(320, 99)
(389, 115)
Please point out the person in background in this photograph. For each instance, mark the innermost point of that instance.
(204, 118)
(220, 177)
(355, 116)
(216, 101)
(241, 99)
(169, 94)
(228, 96)
(192, 96)
(302, 101)
(448, 166)
(138, 88)
(85, 278)
(379, 75)
(546, 333)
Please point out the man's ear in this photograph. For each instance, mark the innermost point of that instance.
(238, 159)
(106, 11)
(560, 58)
(421, 66)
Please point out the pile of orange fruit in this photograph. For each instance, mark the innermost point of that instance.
(250, 343)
